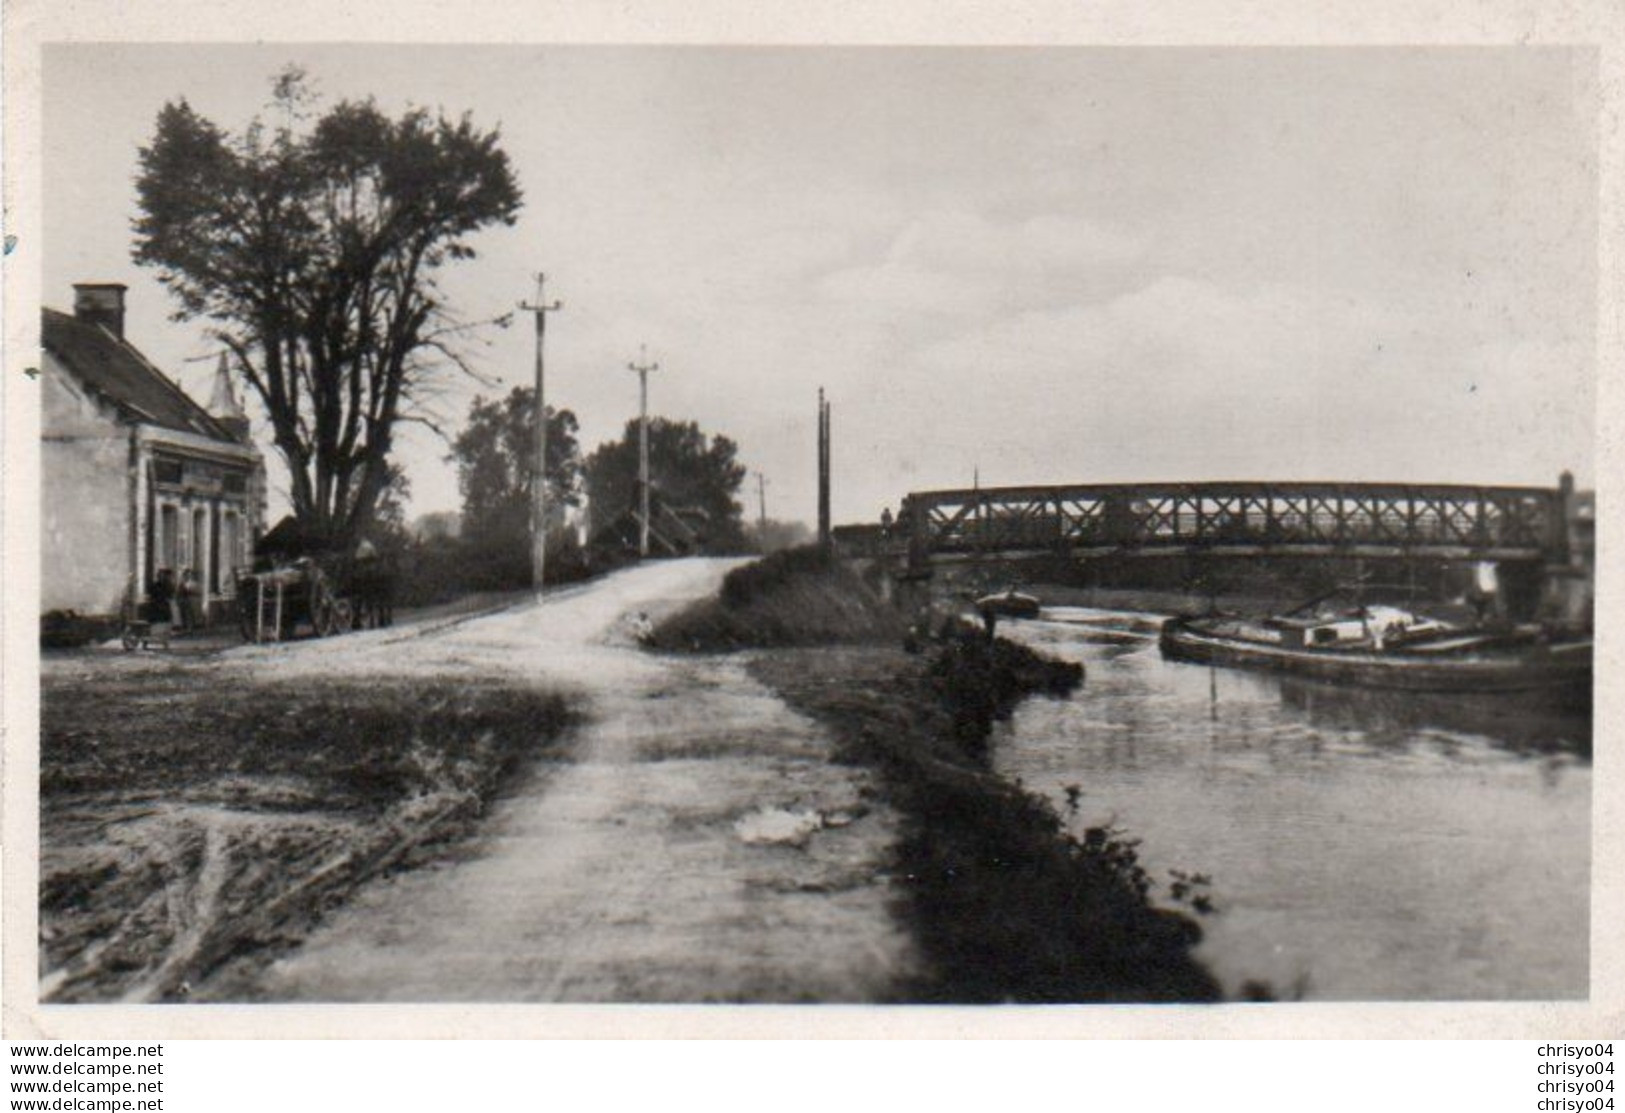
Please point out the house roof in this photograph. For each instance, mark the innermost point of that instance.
(117, 372)
(289, 538)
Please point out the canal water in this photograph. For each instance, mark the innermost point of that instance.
(1360, 845)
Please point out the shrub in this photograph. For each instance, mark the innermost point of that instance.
(794, 597)
(437, 571)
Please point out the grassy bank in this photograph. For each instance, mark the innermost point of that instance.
(795, 597)
(1003, 903)
(193, 820)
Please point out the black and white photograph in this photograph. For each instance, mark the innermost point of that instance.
(812, 524)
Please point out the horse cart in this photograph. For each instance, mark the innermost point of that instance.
(329, 595)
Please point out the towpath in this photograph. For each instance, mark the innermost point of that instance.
(698, 846)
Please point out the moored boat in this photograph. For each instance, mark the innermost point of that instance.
(1387, 648)
(1009, 604)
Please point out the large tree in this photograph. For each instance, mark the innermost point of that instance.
(687, 469)
(495, 454)
(313, 251)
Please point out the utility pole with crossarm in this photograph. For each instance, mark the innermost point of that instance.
(538, 475)
(643, 370)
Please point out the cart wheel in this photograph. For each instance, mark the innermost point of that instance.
(343, 616)
(323, 618)
(131, 641)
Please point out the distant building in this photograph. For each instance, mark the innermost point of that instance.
(137, 477)
(438, 525)
(674, 530)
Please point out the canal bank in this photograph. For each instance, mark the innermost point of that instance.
(1001, 900)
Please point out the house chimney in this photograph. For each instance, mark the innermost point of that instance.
(100, 303)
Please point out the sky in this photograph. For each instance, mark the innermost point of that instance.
(1026, 265)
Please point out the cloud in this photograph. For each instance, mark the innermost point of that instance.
(1181, 378)
(957, 261)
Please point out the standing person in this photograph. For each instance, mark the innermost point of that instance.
(161, 605)
(188, 600)
(372, 583)
(1485, 594)
(989, 611)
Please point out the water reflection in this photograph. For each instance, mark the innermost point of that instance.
(1513, 720)
(1364, 845)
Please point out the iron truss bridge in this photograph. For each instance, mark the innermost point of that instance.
(1223, 519)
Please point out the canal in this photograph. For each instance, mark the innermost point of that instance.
(1360, 845)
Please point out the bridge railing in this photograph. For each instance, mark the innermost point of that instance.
(1462, 521)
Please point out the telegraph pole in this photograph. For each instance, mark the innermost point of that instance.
(643, 370)
(538, 475)
(761, 498)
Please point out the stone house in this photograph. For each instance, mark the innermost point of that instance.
(137, 477)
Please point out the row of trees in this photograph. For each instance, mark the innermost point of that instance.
(689, 470)
(312, 245)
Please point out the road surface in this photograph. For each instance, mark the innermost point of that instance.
(699, 846)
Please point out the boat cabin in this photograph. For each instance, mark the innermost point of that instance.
(1362, 626)
(1298, 633)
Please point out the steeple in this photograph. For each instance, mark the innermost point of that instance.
(223, 404)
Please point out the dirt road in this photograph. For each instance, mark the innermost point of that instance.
(699, 846)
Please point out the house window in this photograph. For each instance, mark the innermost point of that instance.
(234, 483)
(166, 471)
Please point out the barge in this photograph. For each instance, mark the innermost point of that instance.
(1383, 647)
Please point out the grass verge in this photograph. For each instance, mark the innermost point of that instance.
(190, 823)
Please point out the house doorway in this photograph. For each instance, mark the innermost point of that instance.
(169, 538)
